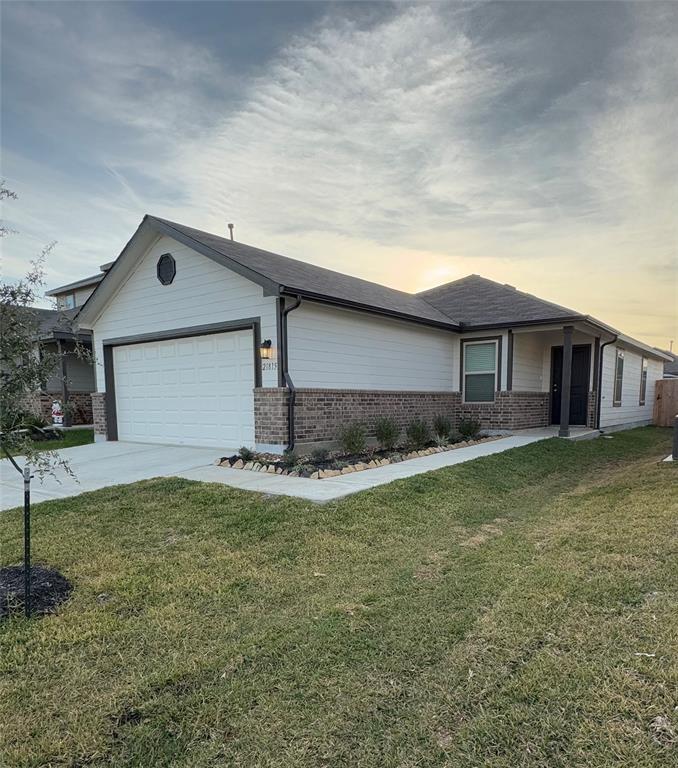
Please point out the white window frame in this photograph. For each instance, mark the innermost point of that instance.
(471, 342)
(642, 395)
(619, 355)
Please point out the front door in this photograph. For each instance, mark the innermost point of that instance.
(579, 385)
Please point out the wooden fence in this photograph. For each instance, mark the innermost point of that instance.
(665, 402)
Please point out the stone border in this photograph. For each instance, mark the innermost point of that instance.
(269, 464)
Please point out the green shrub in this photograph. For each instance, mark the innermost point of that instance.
(387, 432)
(418, 433)
(469, 429)
(454, 437)
(353, 438)
(318, 455)
(289, 458)
(246, 454)
(442, 426)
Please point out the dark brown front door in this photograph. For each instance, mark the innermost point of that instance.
(579, 386)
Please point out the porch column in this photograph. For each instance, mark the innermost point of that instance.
(564, 430)
(68, 419)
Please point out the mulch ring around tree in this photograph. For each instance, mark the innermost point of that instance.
(49, 589)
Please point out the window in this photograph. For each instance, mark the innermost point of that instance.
(643, 381)
(618, 377)
(67, 301)
(480, 371)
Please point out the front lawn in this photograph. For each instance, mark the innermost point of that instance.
(519, 610)
(71, 438)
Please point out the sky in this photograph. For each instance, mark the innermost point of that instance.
(410, 144)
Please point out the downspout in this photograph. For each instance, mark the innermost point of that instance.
(600, 377)
(291, 401)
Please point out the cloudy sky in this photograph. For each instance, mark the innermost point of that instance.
(410, 144)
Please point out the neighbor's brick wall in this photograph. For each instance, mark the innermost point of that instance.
(79, 405)
(99, 412)
(510, 410)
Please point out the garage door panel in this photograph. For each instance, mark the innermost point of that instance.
(191, 391)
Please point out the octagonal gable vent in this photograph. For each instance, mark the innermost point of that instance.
(167, 268)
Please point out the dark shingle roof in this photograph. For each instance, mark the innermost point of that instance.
(48, 322)
(477, 301)
(309, 279)
(670, 366)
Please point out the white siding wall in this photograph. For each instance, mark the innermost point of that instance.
(202, 292)
(528, 363)
(344, 349)
(629, 412)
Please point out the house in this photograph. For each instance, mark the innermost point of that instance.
(671, 365)
(202, 340)
(73, 382)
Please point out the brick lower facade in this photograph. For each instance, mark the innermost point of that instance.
(510, 410)
(319, 414)
(99, 413)
(79, 406)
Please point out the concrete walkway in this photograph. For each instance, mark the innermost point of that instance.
(104, 464)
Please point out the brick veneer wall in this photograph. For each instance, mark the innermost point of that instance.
(510, 410)
(79, 404)
(99, 413)
(320, 413)
(591, 409)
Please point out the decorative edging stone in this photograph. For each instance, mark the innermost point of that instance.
(270, 463)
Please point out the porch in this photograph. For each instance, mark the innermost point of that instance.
(563, 364)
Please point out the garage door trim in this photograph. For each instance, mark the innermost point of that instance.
(245, 324)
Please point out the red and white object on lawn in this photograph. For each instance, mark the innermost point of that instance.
(57, 414)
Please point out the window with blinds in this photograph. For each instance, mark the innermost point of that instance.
(480, 371)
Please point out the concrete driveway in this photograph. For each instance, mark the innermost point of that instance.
(99, 465)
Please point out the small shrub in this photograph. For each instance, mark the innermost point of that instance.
(353, 439)
(469, 429)
(442, 426)
(246, 454)
(454, 437)
(387, 432)
(318, 455)
(289, 458)
(418, 433)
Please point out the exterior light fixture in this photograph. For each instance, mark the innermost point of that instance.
(265, 349)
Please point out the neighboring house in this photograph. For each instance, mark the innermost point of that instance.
(671, 365)
(207, 341)
(73, 382)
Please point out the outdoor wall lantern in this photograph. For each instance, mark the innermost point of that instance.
(266, 350)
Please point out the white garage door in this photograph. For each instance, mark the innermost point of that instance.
(191, 391)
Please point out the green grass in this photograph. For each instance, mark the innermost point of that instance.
(71, 438)
(490, 614)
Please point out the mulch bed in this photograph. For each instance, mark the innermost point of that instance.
(48, 590)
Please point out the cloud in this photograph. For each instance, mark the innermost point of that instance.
(410, 148)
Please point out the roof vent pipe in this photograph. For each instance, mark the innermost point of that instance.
(230, 227)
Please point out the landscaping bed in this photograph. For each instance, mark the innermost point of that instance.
(336, 463)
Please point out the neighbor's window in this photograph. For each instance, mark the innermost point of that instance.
(480, 371)
(618, 377)
(643, 381)
(67, 301)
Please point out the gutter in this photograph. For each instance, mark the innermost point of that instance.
(600, 378)
(291, 401)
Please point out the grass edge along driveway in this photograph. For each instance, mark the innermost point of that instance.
(518, 610)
